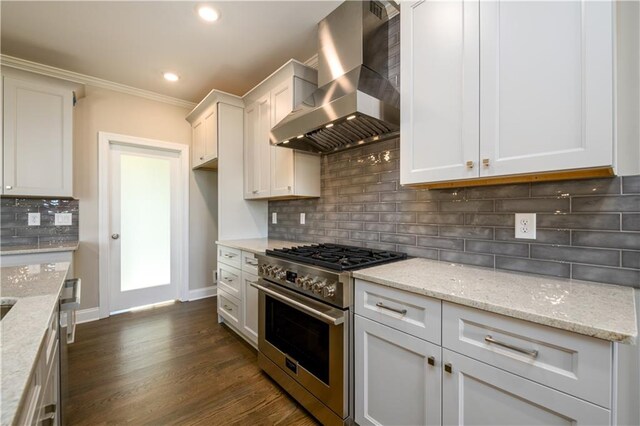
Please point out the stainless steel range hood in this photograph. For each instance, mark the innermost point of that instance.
(355, 103)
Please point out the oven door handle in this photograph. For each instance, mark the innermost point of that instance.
(326, 318)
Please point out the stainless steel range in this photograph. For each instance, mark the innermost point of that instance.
(305, 323)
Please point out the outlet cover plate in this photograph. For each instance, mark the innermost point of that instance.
(274, 217)
(526, 226)
(63, 219)
(34, 219)
(303, 218)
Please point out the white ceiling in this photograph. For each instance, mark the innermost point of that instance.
(133, 43)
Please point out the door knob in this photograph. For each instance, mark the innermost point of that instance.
(115, 236)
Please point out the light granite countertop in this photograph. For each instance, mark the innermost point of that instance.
(600, 310)
(36, 289)
(66, 246)
(258, 245)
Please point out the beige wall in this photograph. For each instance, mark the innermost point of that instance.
(109, 111)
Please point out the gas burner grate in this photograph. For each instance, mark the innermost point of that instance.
(336, 256)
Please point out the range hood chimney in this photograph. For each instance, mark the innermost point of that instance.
(355, 102)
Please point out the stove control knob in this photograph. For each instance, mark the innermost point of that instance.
(264, 269)
(329, 291)
(318, 286)
(307, 283)
(275, 271)
(281, 274)
(299, 281)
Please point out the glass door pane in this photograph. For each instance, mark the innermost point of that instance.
(145, 214)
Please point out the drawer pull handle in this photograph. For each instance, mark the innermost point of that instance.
(228, 308)
(252, 262)
(431, 360)
(399, 311)
(229, 256)
(531, 353)
(228, 279)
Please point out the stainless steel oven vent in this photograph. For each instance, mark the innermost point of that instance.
(355, 103)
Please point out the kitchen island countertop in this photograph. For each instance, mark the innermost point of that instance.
(35, 289)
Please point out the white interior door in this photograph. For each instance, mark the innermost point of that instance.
(144, 226)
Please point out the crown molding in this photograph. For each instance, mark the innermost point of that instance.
(312, 62)
(34, 67)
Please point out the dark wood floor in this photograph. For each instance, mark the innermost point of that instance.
(171, 365)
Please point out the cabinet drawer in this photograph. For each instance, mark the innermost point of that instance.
(229, 256)
(572, 363)
(229, 308)
(411, 313)
(51, 339)
(249, 263)
(230, 280)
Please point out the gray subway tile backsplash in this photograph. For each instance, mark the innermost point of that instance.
(587, 229)
(629, 203)
(17, 234)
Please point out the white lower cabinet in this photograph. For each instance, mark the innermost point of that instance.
(475, 393)
(398, 376)
(237, 298)
(491, 369)
(250, 307)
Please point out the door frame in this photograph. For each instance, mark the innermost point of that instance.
(105, 141)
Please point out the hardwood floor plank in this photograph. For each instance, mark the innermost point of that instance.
(172, 365)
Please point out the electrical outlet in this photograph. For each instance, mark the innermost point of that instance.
(63, 219)
(34, 219)
(526, 226)
(302, 218)
(274, 217)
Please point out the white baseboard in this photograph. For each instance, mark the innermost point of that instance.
(83, 315)
(201, 293)
(87, 315)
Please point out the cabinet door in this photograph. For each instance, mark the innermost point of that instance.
(440, 91)
(282, 172)
(250, 307)
(547, 85)
(197, 130)
(475, 393)
(211, 134)
(38, 139)
(395, 384)
(257, 148)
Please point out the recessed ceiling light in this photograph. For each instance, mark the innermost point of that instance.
(169, 76)
(208, 13)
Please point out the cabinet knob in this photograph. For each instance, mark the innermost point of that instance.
(469, 164)
(485, 162)
(289, 188)
(115, 236)
(448, 368)
(255, 191)
(202, 158)
(431, 360)
(8, 187)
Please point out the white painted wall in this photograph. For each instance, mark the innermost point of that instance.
(110, 111)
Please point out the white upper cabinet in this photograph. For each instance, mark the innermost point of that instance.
(37, 147)
(546, 84)
(439, 111)
(257, 123)
(276, 172)
(204, 127)
(497, 88)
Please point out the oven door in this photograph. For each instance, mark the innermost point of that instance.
(307, 340)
